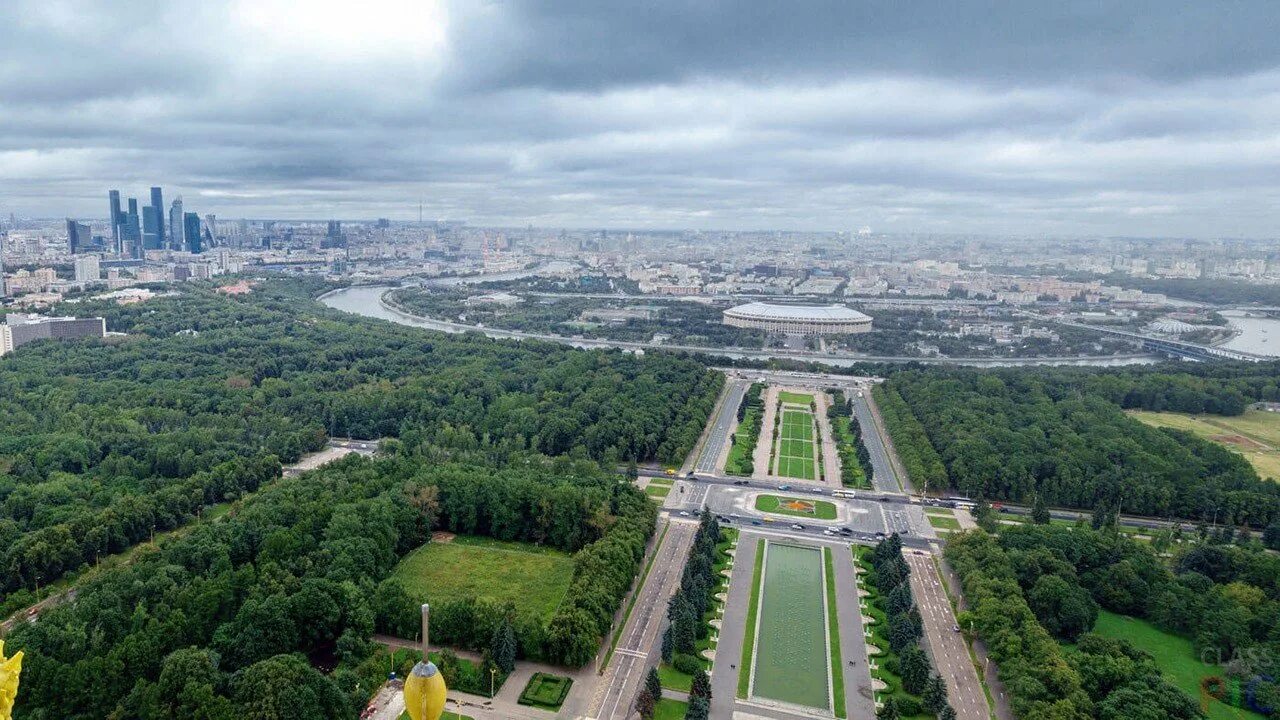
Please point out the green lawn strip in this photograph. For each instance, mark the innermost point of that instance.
(635, 593)
(833, 635)
(1174, 655)
(794, 398)
(748, 644)
(941, 512)
(944, 523)
(742, 450)
(822, 510)
(534, 579)
(546, 691)
(668, 709)
(661, 482)
(659, 492)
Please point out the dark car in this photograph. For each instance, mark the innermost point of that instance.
(756, 522)
(741, 482)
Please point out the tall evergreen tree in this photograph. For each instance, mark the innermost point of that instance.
(653, 683)
(503, 648)
(935, 694)
(645, 703)
(701, 686)
(1040, 511)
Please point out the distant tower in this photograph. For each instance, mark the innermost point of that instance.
(117, 219)
(191, 233)
(175, 224)
(157, 203)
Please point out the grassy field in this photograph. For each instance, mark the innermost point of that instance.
(943, 523)
(833, 630)
(748, 645)
(797, 507)
(1175, 656)
(739, 461)
(1255, 434)
(535, 579)
(795, 398)
(669, 709)
(795, 445)
(657, 492)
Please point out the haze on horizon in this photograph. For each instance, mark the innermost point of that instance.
(1081, 118)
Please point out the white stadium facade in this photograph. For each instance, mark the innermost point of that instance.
(798, 319)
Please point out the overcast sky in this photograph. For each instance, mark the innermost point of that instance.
(1140, 117)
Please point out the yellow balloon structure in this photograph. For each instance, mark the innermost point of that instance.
(424, 690)
(9, 669)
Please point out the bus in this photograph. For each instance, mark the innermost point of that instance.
(844, 493)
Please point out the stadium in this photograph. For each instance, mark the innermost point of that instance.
(798, 319)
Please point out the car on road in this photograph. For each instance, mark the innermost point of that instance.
(756, 522)
(741, 482)
(845, 531)
(684, 513)
(797, 526)
(955, 628)
(784, 488)
(691, 477)
(829, 531)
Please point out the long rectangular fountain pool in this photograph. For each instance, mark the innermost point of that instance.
(791, 658)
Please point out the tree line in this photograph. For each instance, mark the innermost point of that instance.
(1032, 586)
(926, 692)
(855, 460)
(1063, 435)
(229, 619)
(101, 441)
(686, 626)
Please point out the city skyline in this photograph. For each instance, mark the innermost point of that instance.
(1066, 119)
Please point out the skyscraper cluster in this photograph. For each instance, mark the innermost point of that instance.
(133, 234)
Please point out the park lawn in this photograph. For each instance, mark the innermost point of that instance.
(943, 523)
(668, 709)
(833, 634)
(748, 645)
(1259, 429)
(658, 492)
(534, 579)
(941, 512)
(822, 510)
(1175, 656)
(794, 398)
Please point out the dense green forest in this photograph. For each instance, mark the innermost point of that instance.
(204, 624)
(1062, 433)
(1032, 586)
(102, 442)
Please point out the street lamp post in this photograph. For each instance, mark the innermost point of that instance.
(493, 673)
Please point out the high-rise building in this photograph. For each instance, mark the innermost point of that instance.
(4, 289)
(88, 269)
(152, 227)
(117, 219)
(18, 330)
(132, 233)
(78, 237)
(191, 232)
(176, 240)
(157, 202)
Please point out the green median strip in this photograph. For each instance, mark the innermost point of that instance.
(833, 635)
(748, 644)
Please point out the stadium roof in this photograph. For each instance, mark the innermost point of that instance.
(819, 313)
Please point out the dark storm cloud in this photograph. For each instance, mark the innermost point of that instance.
(1137, 117)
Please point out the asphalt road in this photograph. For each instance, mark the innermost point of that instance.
(883, 476)
(945, 645)
(640, 644)
(719, 438)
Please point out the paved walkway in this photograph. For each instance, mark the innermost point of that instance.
(830, 454)
(764, 444)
